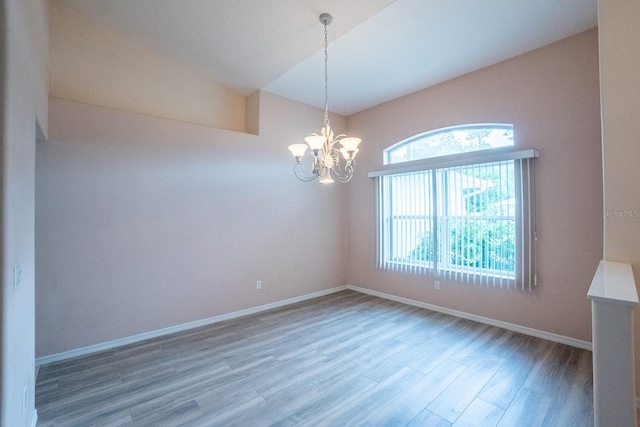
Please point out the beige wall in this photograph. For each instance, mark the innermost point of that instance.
(145, 223)
(551, 96)
(620, 88)
(23, 90)
(94, 64)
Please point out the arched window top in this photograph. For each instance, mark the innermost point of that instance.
(450, 140)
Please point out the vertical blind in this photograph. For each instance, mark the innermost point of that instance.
(471, 222)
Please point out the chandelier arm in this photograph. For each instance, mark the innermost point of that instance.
(350, 167)
(340, 177)
(349, 171)
(300, 174)
(340, 173)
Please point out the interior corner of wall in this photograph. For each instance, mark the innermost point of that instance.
(42, 130)
(252, 115)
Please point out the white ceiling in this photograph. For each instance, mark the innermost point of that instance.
(378, 49)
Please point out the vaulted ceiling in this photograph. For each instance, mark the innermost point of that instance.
(378, 49)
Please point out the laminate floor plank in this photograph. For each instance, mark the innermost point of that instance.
(477, 346)
(120, 418)
(505, 384)
(569, 407)
(380, 369)
(350, 411)
(213, 400)
(464, 389)
(479, 414)
(428, 418)
(227, 416)
(545, 375)
(529, 408)
(278, 406)
(342, 359)
(348, 387)
(290, 376)
(411, 402)
(170, 415)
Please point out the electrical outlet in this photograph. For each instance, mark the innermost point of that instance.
(259, 284)
(436, 285)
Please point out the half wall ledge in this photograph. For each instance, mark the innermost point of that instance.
(613, 298)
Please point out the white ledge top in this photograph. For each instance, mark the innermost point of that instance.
(613, 282)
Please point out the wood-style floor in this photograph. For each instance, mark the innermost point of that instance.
(346, 359)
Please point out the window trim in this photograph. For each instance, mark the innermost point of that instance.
(452, 160)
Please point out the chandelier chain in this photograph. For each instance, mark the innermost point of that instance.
(326, 77)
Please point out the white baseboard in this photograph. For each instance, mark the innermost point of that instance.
(586, 345)
(34, 418)
(178, 328)
(190, 325)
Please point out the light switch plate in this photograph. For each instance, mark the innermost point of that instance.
(17, 276)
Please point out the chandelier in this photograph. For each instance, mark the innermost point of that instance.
(327, 161)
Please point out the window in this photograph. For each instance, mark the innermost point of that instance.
(451, 140)
(467, 216)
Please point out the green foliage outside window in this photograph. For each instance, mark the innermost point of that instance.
(484, 244)
(474, 243)
(424, 251)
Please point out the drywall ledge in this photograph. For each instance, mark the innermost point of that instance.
(613, 298)
(614, 283)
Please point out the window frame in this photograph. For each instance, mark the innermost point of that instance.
(524, 277)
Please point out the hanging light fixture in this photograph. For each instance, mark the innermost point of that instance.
(327, 162)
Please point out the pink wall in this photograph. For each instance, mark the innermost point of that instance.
(551, 96)
(145, 223)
